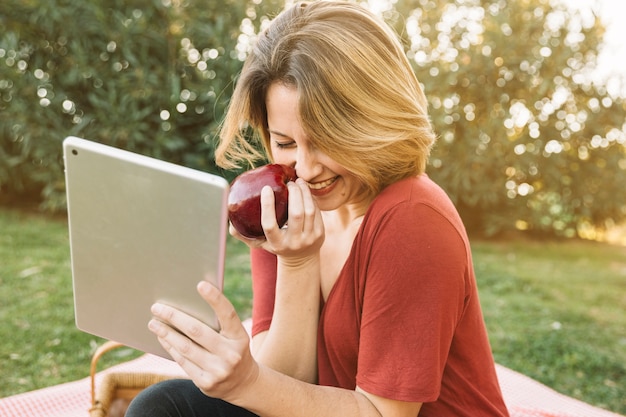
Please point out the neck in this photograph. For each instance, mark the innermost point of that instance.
(344, 217)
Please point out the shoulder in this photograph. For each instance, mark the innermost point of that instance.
(415, 205)
(411, 192)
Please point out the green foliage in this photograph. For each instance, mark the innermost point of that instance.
(150, 76)
(527, 141)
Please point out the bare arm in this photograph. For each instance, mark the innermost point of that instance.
(290, 345)
(284, 396)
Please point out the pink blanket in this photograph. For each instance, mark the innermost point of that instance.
(524, 396)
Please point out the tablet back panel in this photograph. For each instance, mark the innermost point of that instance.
(141, 230)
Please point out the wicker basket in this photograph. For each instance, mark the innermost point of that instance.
(116, 389)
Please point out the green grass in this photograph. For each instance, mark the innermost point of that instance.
(39, 343)
(556, 311)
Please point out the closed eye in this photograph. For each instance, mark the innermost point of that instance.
(284, 144)
(281, 141)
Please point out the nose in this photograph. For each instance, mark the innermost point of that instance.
(307, 164)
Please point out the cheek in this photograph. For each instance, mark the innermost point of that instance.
(283, 156)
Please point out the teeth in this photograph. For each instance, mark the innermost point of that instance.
(323, 184)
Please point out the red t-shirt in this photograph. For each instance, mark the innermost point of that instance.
(403, 320)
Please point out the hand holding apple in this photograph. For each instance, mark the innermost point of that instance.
(244, 199)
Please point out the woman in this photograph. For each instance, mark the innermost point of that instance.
(366, 303)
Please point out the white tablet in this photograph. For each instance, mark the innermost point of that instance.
(141, 231)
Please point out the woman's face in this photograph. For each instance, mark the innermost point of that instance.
(330, 183)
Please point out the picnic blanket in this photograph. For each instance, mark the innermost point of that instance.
(524, 396)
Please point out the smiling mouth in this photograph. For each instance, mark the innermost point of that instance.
(322, 185)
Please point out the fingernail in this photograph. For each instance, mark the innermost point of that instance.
(204, 288)
(154, 325)
(156, 308)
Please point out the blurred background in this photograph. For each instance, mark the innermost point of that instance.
(527, 97)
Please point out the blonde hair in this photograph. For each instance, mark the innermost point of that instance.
(359, 99)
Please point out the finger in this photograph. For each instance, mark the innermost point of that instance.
(203, 367)
(309, 207)
(313, 224)
(187, 353)
(229, 320)
(171, 340)
(233, 232)
(268, 211)
(251, 242)
(296, 210)
(181, 327)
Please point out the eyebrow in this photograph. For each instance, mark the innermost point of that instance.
(277, 133)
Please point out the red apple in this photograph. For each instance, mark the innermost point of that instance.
(244, 199)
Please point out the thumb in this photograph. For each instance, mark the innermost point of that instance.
(231, 326)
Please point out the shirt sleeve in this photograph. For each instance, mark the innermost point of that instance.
(263, 268)
(414, 295)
